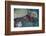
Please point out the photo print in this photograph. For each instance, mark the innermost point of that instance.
(26, 17)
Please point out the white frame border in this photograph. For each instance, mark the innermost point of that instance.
(26, 28)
